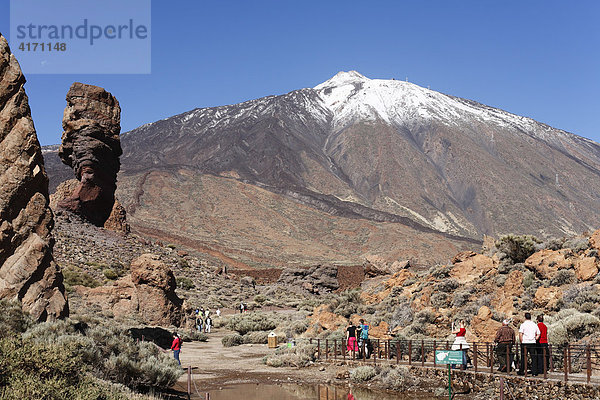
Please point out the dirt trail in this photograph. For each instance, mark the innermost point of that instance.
(215, 366)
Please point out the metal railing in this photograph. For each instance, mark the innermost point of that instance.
(575, 360)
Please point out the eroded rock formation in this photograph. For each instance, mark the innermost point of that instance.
(28, 272)
(91, 146)
(148, 292)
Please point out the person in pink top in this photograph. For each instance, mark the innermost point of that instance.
(542, 343)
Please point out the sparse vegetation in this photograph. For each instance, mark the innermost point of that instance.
(250, 322)
(76, 276)
(297, 356)
(362, 374)
(185, 283)
(517, 247)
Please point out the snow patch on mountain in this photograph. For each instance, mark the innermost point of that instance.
(353, 97)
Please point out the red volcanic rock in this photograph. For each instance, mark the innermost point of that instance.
(28, 272)
(91, 146)
(149, 292)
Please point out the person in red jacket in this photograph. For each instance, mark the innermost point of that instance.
(176, 347)
(542, 343)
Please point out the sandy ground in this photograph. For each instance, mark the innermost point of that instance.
(215, 366)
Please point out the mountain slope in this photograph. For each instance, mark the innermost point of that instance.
(381, 151)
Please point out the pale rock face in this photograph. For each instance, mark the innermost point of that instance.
(28, 272)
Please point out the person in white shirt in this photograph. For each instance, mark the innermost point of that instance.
(529, 333)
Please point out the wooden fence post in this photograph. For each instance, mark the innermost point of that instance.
(491, 359)
(189, 382)
(475, 356)
(318, 349)
(565, 366)
(589, 363)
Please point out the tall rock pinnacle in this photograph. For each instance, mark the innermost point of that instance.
(28, 272)
(91, 146)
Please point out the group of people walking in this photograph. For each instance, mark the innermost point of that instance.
(203, 321)
(533, 339)
(357, 339)
(534, 345)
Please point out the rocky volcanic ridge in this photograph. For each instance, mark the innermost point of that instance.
(558, 278)
(28, 272)
(92, 147)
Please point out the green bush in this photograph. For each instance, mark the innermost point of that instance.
(298, 356)
(110, 353)
(517, 247)
(231, 340)
(75, 276)
(362, 374)
(570, 325)
(260, 299)
(250, 322)
(528, 279)
(447, 285)
(439, 300)
(460, 298)
(398, 379)
(260, 337)
(347, 303)
(110, 274)
(195, 336)
(563, 277)
(31, 370)
(12, 319)
(185, 283)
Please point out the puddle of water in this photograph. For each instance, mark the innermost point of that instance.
(305, 392)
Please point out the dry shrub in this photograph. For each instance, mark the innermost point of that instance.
(250, 322)
(297, 356)
(363, 374)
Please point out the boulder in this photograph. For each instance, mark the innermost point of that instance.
(91, 146)
(483, 326)
(324, 319)
(513, 287)
(148, 292)
(469, 266)
(28, 272)
(595, 240)
(319, 279)
(375, 265)
(586, 268)
(117, 220)
(548, 297)
(546, 263)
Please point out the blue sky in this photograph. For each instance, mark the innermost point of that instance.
(540, 59)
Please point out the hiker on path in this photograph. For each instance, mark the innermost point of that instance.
(208, 324)
(218, 312)
(542, 343)
(351, 345)
(363, 338)
(206, 312)
(176, 347)
(529, 333)
(460, 342)
(241, 307)
(198, 323)
(505, 337)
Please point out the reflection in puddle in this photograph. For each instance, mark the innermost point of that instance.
(305, 392)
